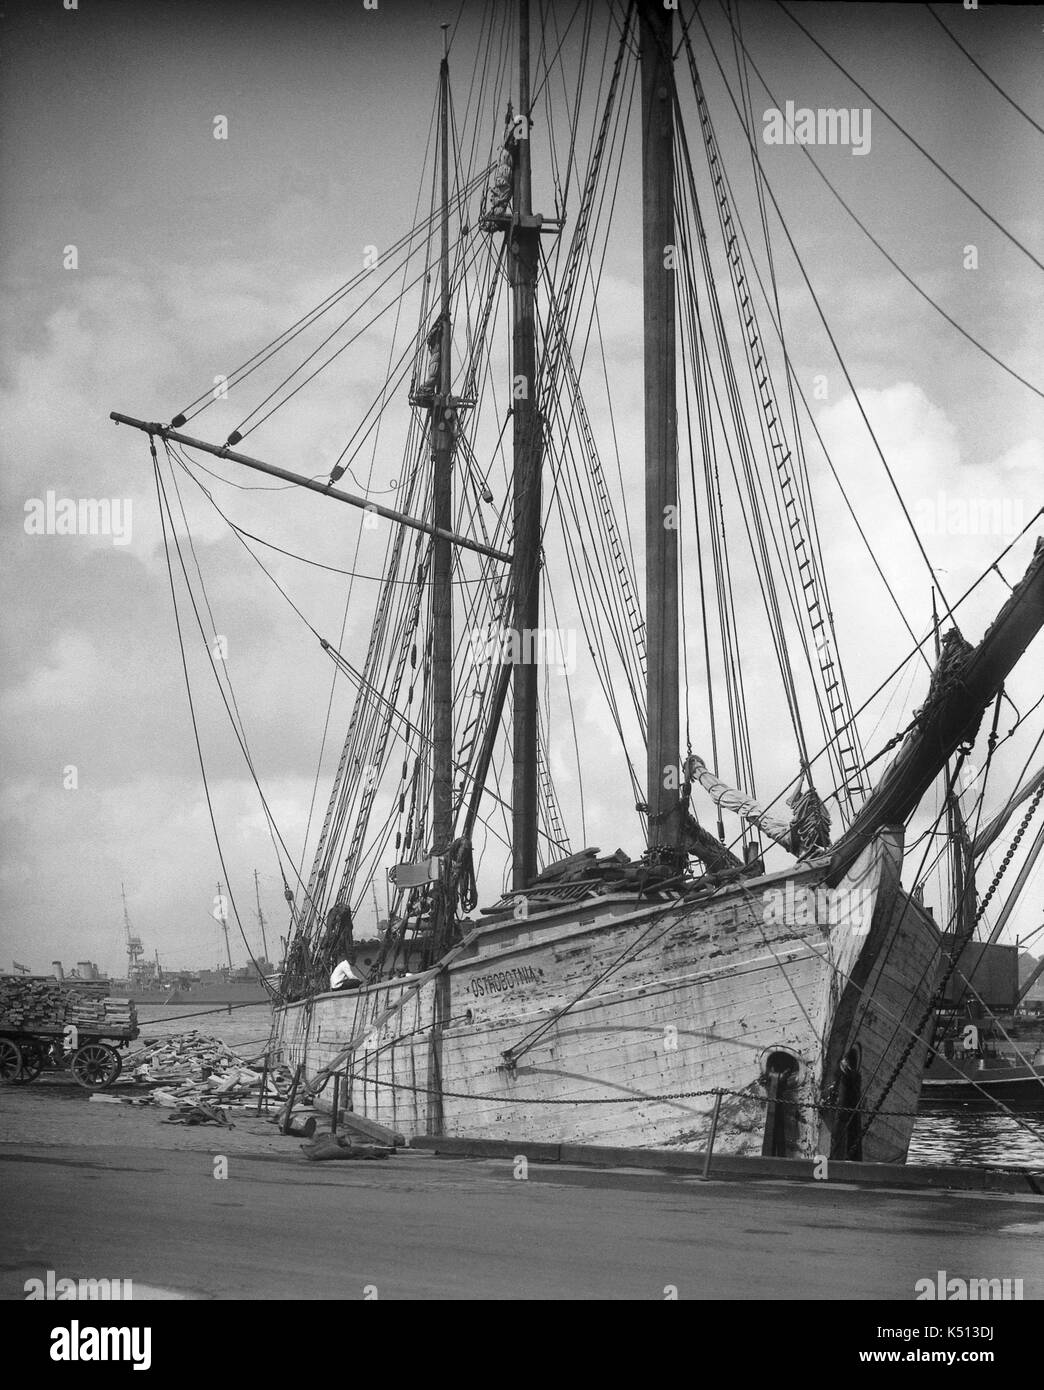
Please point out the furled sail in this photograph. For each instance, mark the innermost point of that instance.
(730, 799)
(807, 831)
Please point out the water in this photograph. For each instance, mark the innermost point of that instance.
(970, 1134)
(960, 1134)
(244, 1028)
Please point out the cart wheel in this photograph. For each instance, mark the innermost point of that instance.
(32, 1064)
(95, 1066)
(10, 1061)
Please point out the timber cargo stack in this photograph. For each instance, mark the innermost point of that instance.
(29, 1003)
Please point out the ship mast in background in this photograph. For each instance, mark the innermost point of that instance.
(260, 918)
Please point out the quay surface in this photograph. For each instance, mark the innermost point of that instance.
(103, 1190)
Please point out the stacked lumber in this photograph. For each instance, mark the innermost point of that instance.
(103, 1016)
(32, 1003)
(94, 988)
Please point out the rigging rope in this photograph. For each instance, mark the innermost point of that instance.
(995, 85)
(164, 512)
(884, 252)
(827, 329)
(916, 144)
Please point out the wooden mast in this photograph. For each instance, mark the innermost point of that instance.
(661, 424)
(523, 262)
(442, 437)
(443, 429)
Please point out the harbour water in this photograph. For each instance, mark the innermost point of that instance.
(244, 1028)
(960, 1134)
(970, 1134)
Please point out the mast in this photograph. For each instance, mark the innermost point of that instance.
(260, 917)
(442, 436)
(224, 928)
(661, 423)
(523, 262)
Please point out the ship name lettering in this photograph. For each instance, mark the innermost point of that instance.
(502, 980)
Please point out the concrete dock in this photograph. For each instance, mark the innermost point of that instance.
(98, 1190)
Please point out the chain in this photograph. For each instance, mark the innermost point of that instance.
(820, 1107)
(1010, 854)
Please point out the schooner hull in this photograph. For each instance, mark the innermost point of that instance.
(623, 1022)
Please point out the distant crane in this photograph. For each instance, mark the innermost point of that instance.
(135, 949)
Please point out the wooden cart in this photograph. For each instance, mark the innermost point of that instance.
(45, 1024)
(93, 1059)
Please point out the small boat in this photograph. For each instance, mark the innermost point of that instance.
(974, 1071)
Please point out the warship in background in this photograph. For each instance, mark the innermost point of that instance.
(147, 982)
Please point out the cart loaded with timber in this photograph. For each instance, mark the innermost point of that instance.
(45, 1023)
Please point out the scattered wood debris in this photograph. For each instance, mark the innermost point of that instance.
(188, 1069)
(199, 1114)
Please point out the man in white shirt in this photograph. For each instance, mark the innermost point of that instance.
(345, 976)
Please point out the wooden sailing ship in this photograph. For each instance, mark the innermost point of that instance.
(607, 999)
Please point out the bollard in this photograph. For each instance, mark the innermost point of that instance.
(336, 1103)
(713, 1133)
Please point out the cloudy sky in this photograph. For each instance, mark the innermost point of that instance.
(192, 252)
